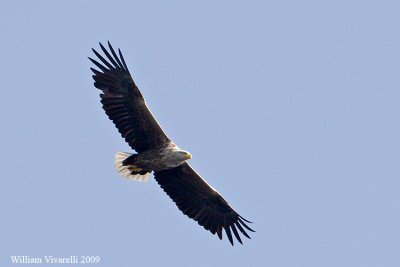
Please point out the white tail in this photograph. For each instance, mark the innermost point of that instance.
(126, 171)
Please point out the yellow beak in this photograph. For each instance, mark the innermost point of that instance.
(189, 156)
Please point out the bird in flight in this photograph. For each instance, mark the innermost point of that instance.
(125, 106)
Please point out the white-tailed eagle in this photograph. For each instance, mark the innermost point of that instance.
(126, 107)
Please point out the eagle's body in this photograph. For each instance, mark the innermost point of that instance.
(126, 107)
(138, 166)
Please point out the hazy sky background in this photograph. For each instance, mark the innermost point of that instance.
(290, 109)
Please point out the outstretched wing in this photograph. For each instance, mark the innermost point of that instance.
(199, 201)
(124, 104)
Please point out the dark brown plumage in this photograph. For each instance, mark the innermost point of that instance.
(126, 107)
(124, 104)
(199, 201)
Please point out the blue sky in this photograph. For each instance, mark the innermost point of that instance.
(290, 109)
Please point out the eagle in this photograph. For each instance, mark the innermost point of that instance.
(124, 104)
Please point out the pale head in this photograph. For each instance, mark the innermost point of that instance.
(183, 155)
